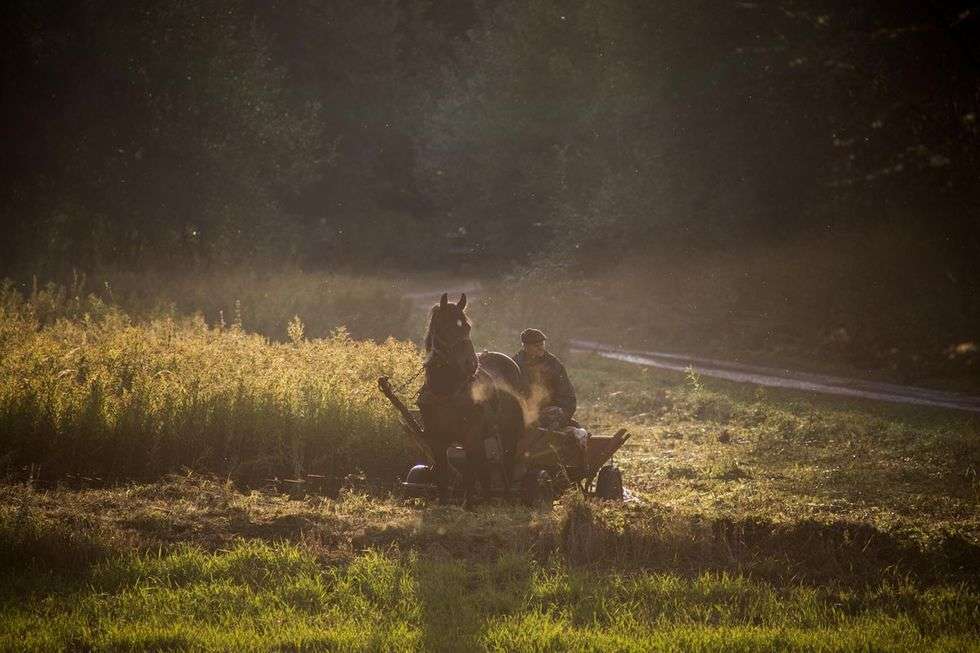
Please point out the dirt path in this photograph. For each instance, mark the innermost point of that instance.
(783, 378)
(738, 372)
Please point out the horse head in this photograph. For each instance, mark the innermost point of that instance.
(447, 340)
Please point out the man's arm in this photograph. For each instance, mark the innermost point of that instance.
(525, 386)
(564, 396)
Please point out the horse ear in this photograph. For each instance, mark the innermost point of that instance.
(461, 304)
(444, 300)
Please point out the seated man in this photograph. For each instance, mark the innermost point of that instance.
(550, 392)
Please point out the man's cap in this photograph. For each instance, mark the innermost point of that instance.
(532, 336)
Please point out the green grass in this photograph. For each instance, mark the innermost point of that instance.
(763, 519)
(273, 596)
(254, 595)
(733, 450)
(193, 563)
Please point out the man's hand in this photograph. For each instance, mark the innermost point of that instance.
(552, 417)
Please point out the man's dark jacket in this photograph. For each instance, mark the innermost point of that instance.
(548, 371)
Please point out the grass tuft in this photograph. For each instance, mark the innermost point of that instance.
(107, 398)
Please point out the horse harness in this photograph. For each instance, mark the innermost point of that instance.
(442, 349)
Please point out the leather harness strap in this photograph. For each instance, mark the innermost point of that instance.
(442, 349)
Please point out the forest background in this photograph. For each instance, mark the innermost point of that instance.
(808, 168)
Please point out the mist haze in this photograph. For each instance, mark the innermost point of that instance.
(809, 165)
(747, 232)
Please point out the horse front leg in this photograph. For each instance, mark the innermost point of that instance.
(478, 469)
(442, 472)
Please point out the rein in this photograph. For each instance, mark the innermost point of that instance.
(414, 376)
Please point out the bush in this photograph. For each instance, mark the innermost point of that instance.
(109, 397)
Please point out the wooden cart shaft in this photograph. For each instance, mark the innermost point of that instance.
(409, 423)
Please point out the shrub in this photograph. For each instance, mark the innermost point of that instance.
(109, 397)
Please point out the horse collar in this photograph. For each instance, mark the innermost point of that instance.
(464, 385)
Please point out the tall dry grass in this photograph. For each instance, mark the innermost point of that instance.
(98, 393)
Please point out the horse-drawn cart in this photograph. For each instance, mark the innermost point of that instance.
(545, 461)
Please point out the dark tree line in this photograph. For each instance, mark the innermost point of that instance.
(358, 132)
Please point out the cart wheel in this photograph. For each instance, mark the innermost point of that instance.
(536, 487)
(609, 484)
(420, 482)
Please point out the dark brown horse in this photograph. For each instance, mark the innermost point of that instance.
(467, 398)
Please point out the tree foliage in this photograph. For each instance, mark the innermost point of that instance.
(334, 133)
(163, 133)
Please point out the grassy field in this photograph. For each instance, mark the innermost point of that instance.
(761, 520)
(100, 394)
(799, 308)
(194, 563)
(732, 449)
(263, 303)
